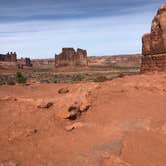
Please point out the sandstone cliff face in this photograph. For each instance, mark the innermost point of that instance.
(70, 57)
(154, 44)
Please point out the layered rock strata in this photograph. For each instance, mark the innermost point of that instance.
(70, 57)
(154, 44)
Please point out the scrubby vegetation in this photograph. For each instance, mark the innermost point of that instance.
(20, 78)
(100, 79)
(77, 77)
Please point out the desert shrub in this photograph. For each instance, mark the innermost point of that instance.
(100, 79)
(20, 78)
(77, 77)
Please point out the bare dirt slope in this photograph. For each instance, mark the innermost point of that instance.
(125, 125)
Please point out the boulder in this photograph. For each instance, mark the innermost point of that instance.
(74, 126)
(74, 111)
(45, 105)
(63, 90)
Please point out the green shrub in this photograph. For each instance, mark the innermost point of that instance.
(20, 78)
(100, 79)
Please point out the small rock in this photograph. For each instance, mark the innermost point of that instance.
(63, 90)
(74, 126)
(85, 106)
(45, 105)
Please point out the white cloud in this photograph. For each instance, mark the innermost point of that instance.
(100, 36)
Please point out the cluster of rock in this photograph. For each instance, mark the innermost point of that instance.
(10, 60)
(154, 44)
(70, 57)
(9, 57)
(24, 62)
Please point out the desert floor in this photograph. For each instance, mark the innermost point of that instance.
(124, 126)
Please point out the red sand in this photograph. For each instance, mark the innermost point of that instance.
(125, 125)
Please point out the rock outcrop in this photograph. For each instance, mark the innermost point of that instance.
(9, 57)
(70, 57)
(24, 62)
(27, 62)
(154, 44)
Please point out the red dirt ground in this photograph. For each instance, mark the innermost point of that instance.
(125, 125)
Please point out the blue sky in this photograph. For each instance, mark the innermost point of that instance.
(40, 28)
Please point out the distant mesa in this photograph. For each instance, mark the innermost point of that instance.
(154, 44)
(70, 57)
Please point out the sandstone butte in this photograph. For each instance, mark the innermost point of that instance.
(9, 57)
(154, 44)
(70, 57)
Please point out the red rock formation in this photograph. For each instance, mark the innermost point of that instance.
(146, 45)
(82, 57)
(154, 44)
(28, 62)
(24, 62)
(70, 57)
(9, 57)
